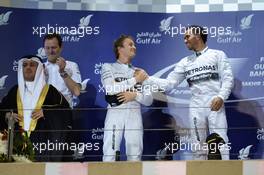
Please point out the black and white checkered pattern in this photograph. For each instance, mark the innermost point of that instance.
(170, 6)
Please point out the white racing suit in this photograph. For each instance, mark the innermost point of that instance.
(208, 75)
(125, 118)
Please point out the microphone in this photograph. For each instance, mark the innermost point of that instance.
(11, 123)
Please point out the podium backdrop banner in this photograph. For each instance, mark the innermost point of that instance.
(88, 40)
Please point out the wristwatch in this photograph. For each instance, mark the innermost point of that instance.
(64, 74)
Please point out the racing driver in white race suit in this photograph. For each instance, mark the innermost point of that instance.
(124, 95)
(210, 79)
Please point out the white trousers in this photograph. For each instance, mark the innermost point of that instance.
(202, 120)
(127, 121)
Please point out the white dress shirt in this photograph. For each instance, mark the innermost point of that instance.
(54, 78)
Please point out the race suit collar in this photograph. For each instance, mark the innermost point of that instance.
(201, 52)
(124, 65)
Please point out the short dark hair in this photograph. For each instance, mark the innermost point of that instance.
(31, 56)
(119, 43)
(51, 36)
(199, 30)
